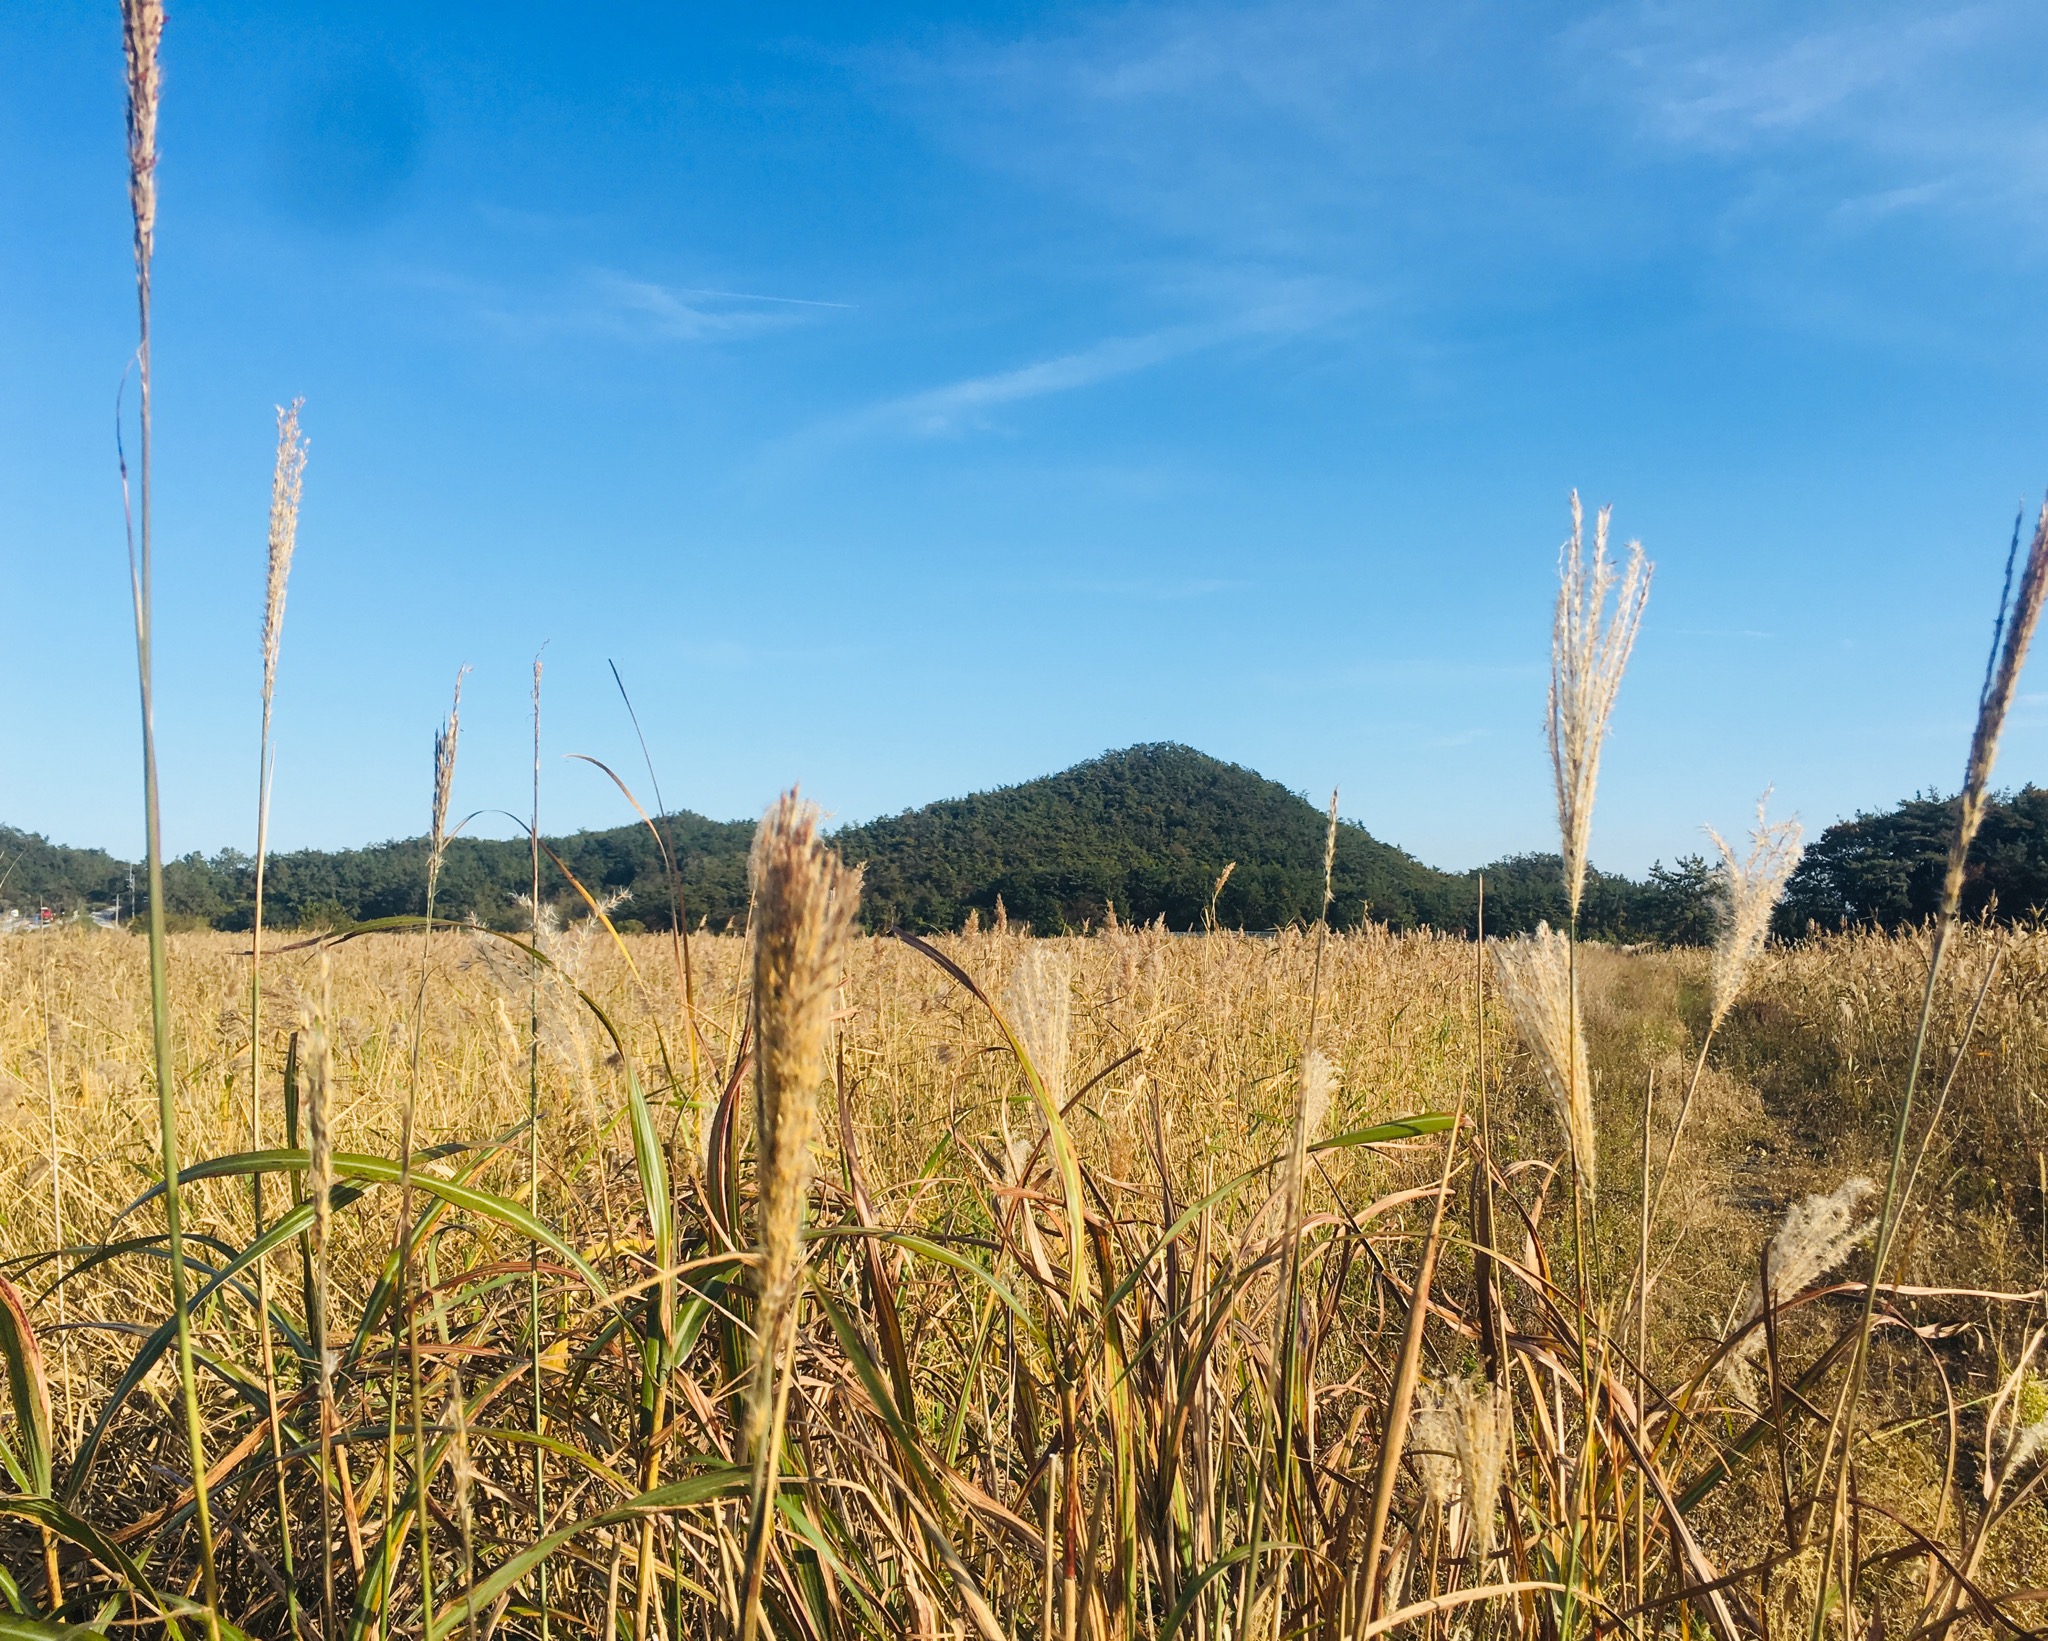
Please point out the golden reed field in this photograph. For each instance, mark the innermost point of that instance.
(423, 1281)
(981, 1432)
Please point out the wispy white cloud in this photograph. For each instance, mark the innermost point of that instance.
(604, 302)
(1244, 312)
(1272, 131)
(682, 314)
(1473, 162)
(1862, 112)
(958, 406)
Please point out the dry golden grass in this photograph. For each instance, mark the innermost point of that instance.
(1795, 1101)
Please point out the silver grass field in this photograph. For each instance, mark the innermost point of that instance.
(419, 1280)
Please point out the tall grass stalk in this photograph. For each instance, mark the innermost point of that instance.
(142, 26)
(1400, 1403)
(1313, 1079)
(287, 484)
(805, 901)
(1589, 652)
(56, 1172)
(2019, 613)
(539, 1401)
(319, 1067)
(1748, 891)
(445, 742)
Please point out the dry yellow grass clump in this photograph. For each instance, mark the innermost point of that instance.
(980, 1429)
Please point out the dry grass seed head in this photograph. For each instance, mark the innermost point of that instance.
(445, 739)
(2018, 615)
(1589, 651)
(286, 485)
(2017, 1432)
(1315, 1079)
(1750, 889)
(1485, 1423)
(1433, 1443)
(1040, 1002)
(142, 29)
(1535, 975)
(1457, 1443)
(805, 899)
(1817, 1233)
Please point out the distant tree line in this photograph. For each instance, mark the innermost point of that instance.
(1140, 834)
(1886, 870)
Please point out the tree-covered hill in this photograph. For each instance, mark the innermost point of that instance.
(1151, 828)
(1148, 830)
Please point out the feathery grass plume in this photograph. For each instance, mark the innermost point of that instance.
(1457, 1442)
(1330, 858)
(1216, 893)
(286, 486)
(445, 739)
(2018, 614)
(805, 899)
(1750, 889)
(2016, 1433)
(142, 30)
(1040, 1002)
(1315, 1080)
(1433, 1442)
(1817, 1233)
(1535, 975)
(1589, 651)
(1486, 1416)
(287, 483)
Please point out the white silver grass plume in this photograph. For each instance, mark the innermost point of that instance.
(1485, 1424)
(1040, 1003)
(2019, 612)
(1817, 1233)
(1750, 889)
(445, 741)
(1315, 1080)
(286, 485)
(1589, 651)
(1535, 977)
(1457, 1441)
(804, 905)
(1433, 1444)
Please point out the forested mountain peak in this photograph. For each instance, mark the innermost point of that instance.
(1147, 830)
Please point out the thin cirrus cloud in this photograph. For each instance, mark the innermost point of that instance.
(1246, 310)
(627, 307)
(1426, 148)
(968, 405)
(679, 313)
(1887, 108)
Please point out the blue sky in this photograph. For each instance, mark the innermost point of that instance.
(912, 399)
